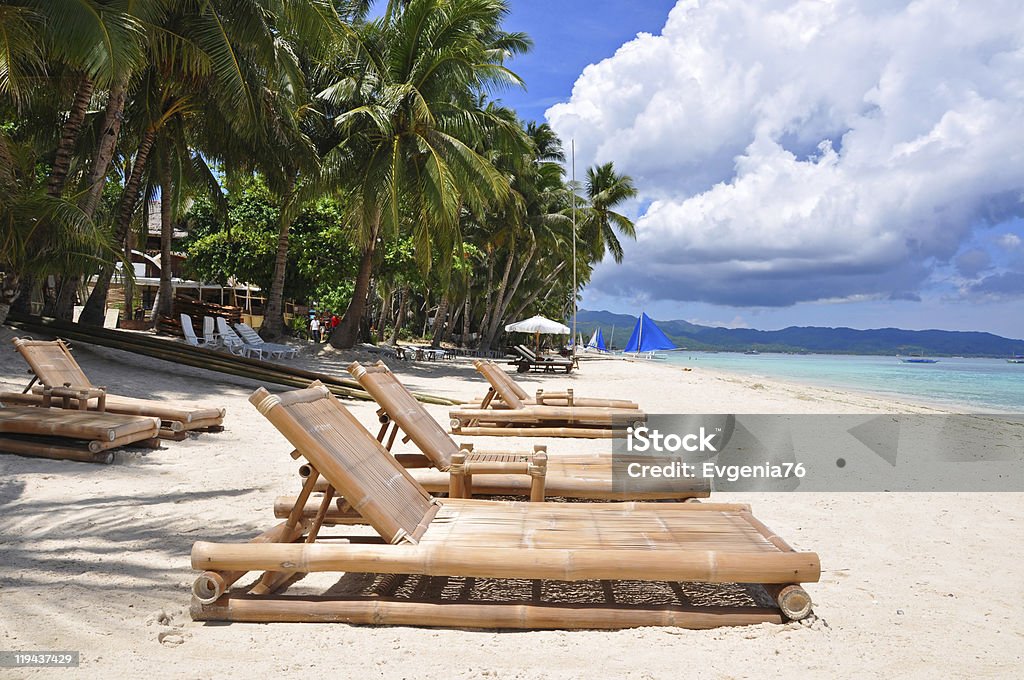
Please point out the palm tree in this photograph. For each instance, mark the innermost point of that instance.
(230, 61)
(74, 242)
(410, 131)
(605, 190)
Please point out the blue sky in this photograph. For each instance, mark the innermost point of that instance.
(852, 163)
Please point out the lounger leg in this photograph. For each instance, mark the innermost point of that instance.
(273, 580)
(212, 584)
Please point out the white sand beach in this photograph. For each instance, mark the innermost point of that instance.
(95, 558)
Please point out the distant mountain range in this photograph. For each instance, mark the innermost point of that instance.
(886, 341)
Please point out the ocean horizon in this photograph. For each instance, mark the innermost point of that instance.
(969, 384)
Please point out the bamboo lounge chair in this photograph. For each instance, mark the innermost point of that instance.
(518, 418)
(573, 476)
(421, 535)
(84, 436)
(504, 392)
(64, 383)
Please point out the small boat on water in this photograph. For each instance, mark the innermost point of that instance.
(1016, 359)
(646, 339)
(917, 360)
(752, 352)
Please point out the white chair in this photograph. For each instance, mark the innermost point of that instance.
(253, 339)
(210, 334)
(189, 332)
(235, 344)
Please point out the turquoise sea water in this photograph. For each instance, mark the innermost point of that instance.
(971, 385)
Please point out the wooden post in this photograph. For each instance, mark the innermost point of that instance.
(538, 471)
(457, 476)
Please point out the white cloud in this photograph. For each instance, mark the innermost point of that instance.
(799, 150)
(1009, 241)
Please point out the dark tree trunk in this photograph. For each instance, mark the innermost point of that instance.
(466, 319)
(273, 317)
(347, 332)
(111, 130)
(92, 314)
(403, 307)
(69, 137)
(439, 321)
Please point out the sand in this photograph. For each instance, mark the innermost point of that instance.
(96, 558)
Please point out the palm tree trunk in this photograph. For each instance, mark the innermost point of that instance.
(540, 289)
(347, 332)
(515, 283)
(466, 318)
(439, 321)
(385, 304)
(166, 307)
(92, 314)
(498, 303)
(273, 314)
(69, 137)
(487, 298)
(111, 130)
(400, 319)
(449, 329)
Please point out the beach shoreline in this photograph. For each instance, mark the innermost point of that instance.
(96, 558)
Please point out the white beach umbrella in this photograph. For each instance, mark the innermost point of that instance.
(538, 324)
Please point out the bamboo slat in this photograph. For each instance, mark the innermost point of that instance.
(401, 406)
(570, 415)
(388, 611)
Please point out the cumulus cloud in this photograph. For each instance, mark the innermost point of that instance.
(795, 150)
(1009, 241)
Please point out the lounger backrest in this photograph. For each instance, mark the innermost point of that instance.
(52, 362)
(526, 352)
(404, 409)
(226, 334)
(509, 382)
(209, 329)
(250, 336)
(188, 331)
(490, 371)
(348, 457)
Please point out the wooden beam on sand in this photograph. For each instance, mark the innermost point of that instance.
(201, 357)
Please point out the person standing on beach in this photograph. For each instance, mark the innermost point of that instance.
(314, 329)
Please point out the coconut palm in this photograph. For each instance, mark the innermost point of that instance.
(412, 125)
(233, 62)
(605, 190)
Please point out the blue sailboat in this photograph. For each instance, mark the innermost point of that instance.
(597, 341)
(647, 338)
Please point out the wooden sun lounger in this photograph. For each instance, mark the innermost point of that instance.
(522, 419)
(63, 383)
(504, 392)
(451, 538)
(573, 476)
(72, 435)
(528, 360)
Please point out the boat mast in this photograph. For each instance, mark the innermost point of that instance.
(640, 335)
